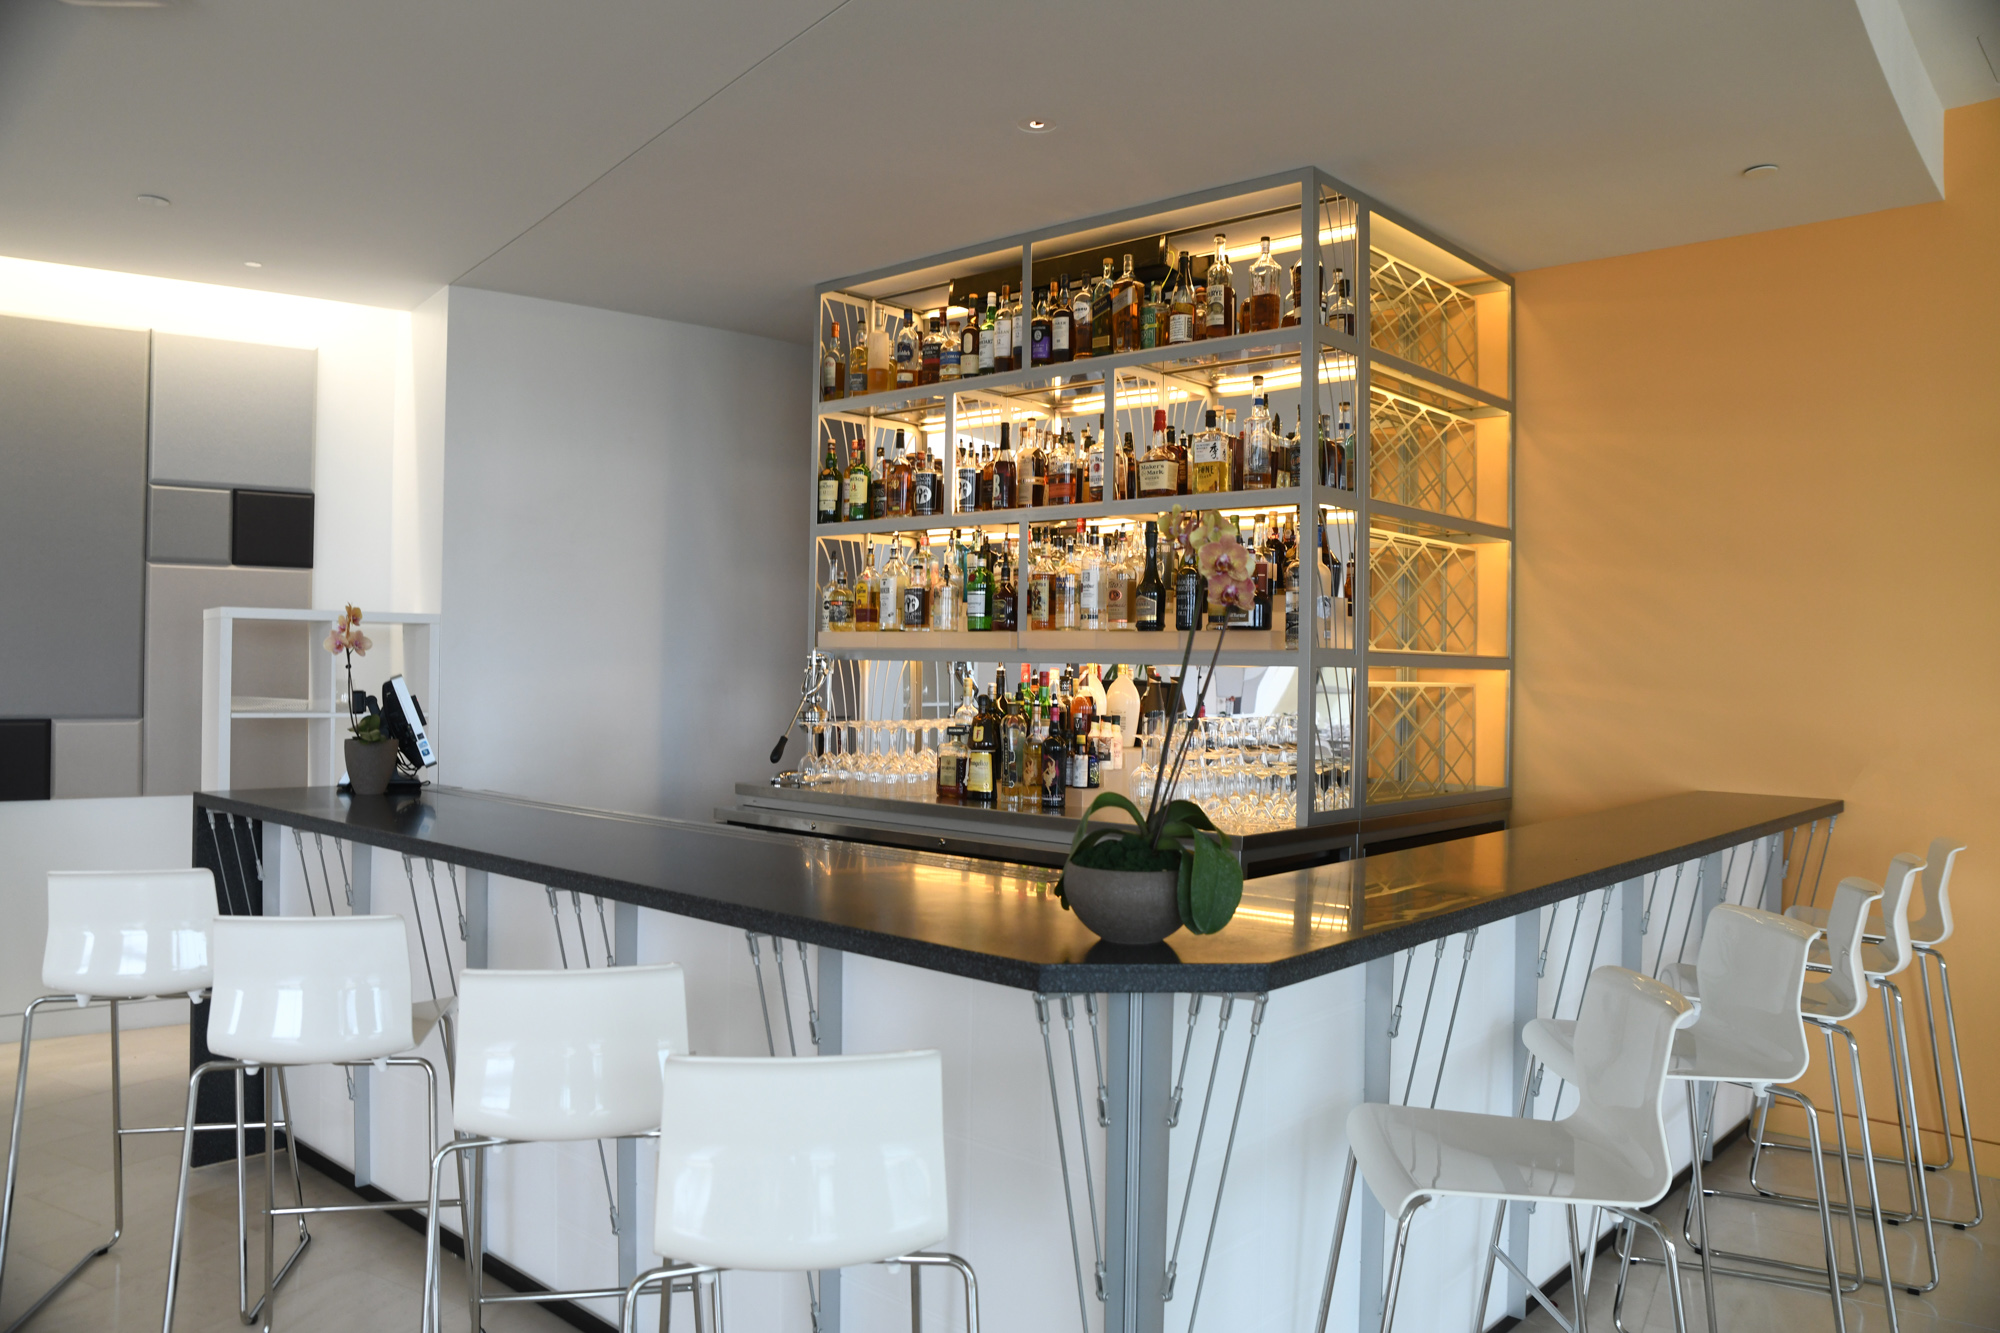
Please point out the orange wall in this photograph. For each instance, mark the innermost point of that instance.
(1759, 521)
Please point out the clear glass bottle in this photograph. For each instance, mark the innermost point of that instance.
(909, 352)
(1266, 289)
(987, 341)
(947, 588)
(1340, 455)
(1221, 313)
(1100, 313)
(1059, 473)
(1340, 304)
(968, 339)
(917, 589)
(1003, 332)
(1128, 299)
(1257, 467)
(1180, 304)
(840, 605)
(1079, 321)
(1090, 584)
(1120, 578)
(1063, 606)
(930, 352)
(881, 356)
(1040, 574)
(857, 364)
(951, 355)
(890, 584)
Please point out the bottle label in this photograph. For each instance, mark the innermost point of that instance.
(1041, 347)
(1180, 327)
(1003, 333)
(975, 604)
(947, 775)
(987, 342)
(913, 608)
(979, 773)
(1038, 600)
(906, 353)
(1079, 769)
(949, 360)
(857, 492)
(829, 495)
(889, 593)
(840, 612)
(923, 493)
(1059, 336)
(1096, 470)
(1124, 297)
(1159, 474)
(1218, 312)
(968, 486)
(1149, 608)
(1090, 596)
(829, 374)
(1208, 449)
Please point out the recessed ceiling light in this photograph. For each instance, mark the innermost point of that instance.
(1036, 125)
(155, 200)
(1762, 169)
(251, 263)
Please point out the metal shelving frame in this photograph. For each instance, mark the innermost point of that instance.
(1312, 343)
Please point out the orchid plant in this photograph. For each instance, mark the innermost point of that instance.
(1178, 834)
(347, 641)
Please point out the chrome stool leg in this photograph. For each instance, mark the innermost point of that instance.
(1924, 954)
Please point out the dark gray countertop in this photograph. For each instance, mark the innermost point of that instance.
(996, 921)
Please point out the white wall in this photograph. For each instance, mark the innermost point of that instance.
(622, 568)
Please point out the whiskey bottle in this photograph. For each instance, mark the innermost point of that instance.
(1221, 313)
(1006, 603)
(1040, 577)
(1180, 306)
(1190, 595)
(951, 356)
(1003, 334)
(982, 495)
(1159, 470)
(1062, 321)
(840, 605)
(829, 486)
(1118, 583)
(891, 584)
(1093, 463)
(1059, 473)
(1003, 473)
(1038, 330)
(857, 483)
(1128, 470)
(1152, 319)
(987, 340)
(1266, 279)
(1232, 441)
(909, 352)
(1128, 299)
(1100, 313)
(832, 366)
(951, 765)
(1149, 601)
(1021, 312)
(1014, 770)
(1340, 304)
(930, 352)
(867, 594)
(1257, 466)
(900, 481)
(1079, 319)
(1209, 459)
(1063, 599)
(1090, 582)
(878, 486)
(881, 356)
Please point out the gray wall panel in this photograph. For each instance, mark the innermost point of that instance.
(188, 527)
(94, 759)
(175, 598)
(72, 518)
(233, 414)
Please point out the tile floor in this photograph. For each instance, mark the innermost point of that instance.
(1967, 1297)
(362, 1271)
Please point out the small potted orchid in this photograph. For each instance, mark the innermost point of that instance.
(371, 756)
(1171, 867)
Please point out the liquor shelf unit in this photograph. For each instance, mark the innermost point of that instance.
(1403, 656)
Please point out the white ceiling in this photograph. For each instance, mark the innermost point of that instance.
(711, 163)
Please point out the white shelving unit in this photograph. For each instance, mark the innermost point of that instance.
(271, 695)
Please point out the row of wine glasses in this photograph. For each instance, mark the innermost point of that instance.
(884, 756)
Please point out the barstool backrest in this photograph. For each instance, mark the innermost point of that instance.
(789, 1164)
(1896, 886)
(126, 934)
(1624, 1038)
(1753, 971)
(301, 990)
(1844, 926)
(556, 1056)
(1934, 927)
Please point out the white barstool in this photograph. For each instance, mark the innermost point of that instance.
(1610, 1153)
(113, 936)
(301, 991)
(549, 1057)
(801, 1165)
(1926, 934)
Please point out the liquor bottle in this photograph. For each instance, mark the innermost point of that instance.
(930, 351)
(1118, 585)
(1006, 597)
(917, 590)
(867, 595)
(968, 339)
(829, 486)
(1265, 295)
(1059, 474)
(1128, 299)
(1347, 593)
(947, 588)
(1081, 767)
(951, 764)
(1121, 708)
(966, 472)
(1190, 595)
(1159, 471)
(1209, 459)
(982, 496)
(832, 366)
(1087, 701)
(1326, 581)
(840, 604)
(1040, 575)
(1020, 312)
(899, 475)
(926, 483)
(1180, 304)
(1100, 313)
(982, 754)
(1038, 328)
(1063, 608)
(1257, 467)
(1013, 779)
(1055, 763)
(1260, 578)
(1003, 334)
(1340, 304)
(1003, 473)
(1150, 599)
(857, 484)
(1284, 455)
(1290, 580)
(881, 355)
(1340, 457)
(979, 596)
(909, 352)
(890, 585)
(1090, 582)
(951, 355)
(1062, 321)
(857, 364)
(1092, 463)
(1232, 444)
(1221, 314)
(1152, 319)
(988, 341)
(878, 486)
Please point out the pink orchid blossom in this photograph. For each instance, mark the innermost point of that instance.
(1230, 568)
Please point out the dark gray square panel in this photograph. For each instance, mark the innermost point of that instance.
(24, 759)
(188, 526)
(230, 414)
(273, 529)
(72, 518)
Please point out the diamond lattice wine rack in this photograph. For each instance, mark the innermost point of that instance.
(1379, 465)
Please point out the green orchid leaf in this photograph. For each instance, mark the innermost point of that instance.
(1190, 813)
(1215, 885)
(1183, 889)
(1109, 798)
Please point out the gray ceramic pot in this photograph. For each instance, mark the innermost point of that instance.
(370, 765)
(1124, 906)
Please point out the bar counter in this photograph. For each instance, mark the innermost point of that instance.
(1219, 1067)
